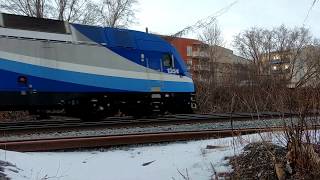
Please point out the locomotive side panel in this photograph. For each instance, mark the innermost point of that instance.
(119, 68)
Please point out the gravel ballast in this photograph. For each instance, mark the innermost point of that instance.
(135, 129)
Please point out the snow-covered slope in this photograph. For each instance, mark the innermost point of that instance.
(157, 161)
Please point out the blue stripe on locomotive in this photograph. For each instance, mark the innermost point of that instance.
(11, 85)
(131, 44)
(69, 81)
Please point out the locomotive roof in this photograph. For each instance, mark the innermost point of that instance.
(115, 37)
(112, 37)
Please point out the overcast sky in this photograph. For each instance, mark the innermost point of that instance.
(170, 16)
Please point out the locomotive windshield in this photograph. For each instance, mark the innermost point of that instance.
(167, 60)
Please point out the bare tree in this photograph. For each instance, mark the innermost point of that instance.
(78, 11)
(68, 10)
(212, 35)
(212, 50)
(286, 46)
(91, 14)
(112, 13)
(253, 44)
(118, 13)
(65, 10)
(33, 8)
(307, 67)
(209, 52)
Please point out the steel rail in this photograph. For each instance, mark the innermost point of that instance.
(106, 141)
(70, 123)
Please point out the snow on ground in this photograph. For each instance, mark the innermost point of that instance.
(141, 162)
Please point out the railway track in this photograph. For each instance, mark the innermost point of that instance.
(74, 123)
(78, 140)
(106, 141)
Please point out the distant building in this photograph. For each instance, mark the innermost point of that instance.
(293, 68)
(209, 63)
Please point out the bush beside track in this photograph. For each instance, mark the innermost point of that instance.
(13, 115)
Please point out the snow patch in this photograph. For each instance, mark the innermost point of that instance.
(142, 162)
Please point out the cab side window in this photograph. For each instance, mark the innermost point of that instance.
(167, 60)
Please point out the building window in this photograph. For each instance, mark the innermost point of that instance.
(286, 66)
(274, 67)
(276, 57)
(189, 50)
(189, 62)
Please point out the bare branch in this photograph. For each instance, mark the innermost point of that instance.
(78, 11)
(118, 13)
(281, 46)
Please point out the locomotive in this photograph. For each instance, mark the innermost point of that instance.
(86, 70)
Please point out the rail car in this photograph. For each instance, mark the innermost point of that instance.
(89, 70)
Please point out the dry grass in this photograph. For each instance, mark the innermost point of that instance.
(263, 96)
(257, 162)
(302, 147)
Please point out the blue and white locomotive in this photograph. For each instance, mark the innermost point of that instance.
(49, 64)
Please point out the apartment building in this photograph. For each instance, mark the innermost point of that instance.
(295, 67)
(209, 63)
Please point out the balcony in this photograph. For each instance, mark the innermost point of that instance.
(200, 68)
(200, 54)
